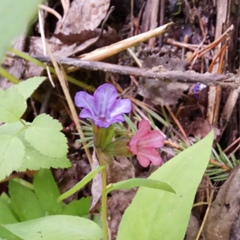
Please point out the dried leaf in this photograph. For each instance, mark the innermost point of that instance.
(97, 183)
(161, 92)
(83, 15)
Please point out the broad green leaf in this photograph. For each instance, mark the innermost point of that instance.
(78, 207)
(58, 227)
(27, 87)
(47, 192)
(6, 235)
(24, 202)
(11, 128)
(45, 136)
(140, 182)
(12, 105)
(6, 216)
(34, 160)
(155, 214)
(15, 16)
(11, 154)
(82, 183)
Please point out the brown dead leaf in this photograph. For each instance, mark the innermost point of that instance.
(161, 92)
(83, 15)
(166, 61)
(223, 218)
(97, 183)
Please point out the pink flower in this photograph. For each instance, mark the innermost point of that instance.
(144, 144)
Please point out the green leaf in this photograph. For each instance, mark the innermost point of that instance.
(130, 123)
(6, 216)
(27, 87)
(159, 214)
(140, 182)
(12, 105)
(11, 154)
(118, 148)
(45, 136)
(24, 202)
(78, 207)
(15, 17)
(82, 183)
(58, 227)
(6, 235)
(47, 192)
(103, 136)
(34, 160)
(11, 128)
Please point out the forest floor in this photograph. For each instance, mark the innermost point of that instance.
(198, 54)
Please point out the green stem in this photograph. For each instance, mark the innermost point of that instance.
(104, 196)
(23, 123)
(104, 204)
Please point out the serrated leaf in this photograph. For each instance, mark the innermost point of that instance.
(15, 17)
(12, 105)
(24, 202)
(162, 215)
(47, 192)
(45, 136)
(58, 227)
(27, 87)
(11, 154)
(34, 160)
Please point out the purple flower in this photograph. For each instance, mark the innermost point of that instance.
(103, 107)
(144, 144)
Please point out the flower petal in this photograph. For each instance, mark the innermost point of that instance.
(102, 124)
(104, 97)
(85, 100)
(121, 106)
(86, 113)
(153, 139)
(149, 155)
(144, 129)
(143, 160)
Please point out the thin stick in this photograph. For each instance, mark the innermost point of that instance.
(205, 216)
(232, 144)
(41, 28)
(185, 138)
(211, 45)
(210, 68)
(52, 11)
(62, 81)
(174, 76)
